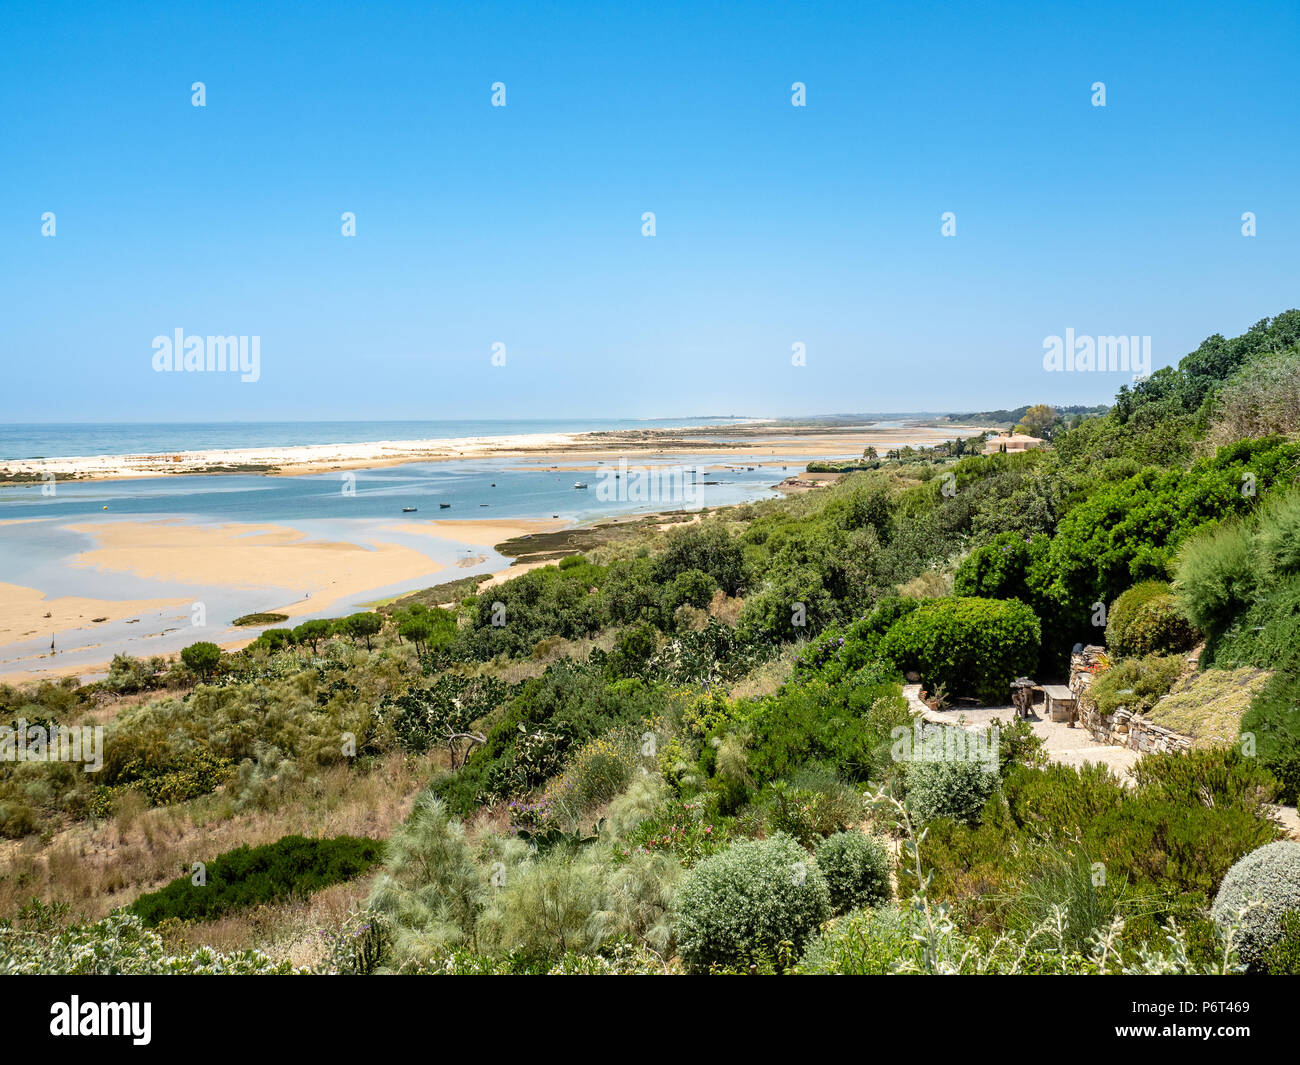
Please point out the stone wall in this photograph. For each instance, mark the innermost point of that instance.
(1122, 728)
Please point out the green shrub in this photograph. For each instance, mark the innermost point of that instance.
(545, 908)
(195, 772)
(1283, 957)
(861, 943)
(1134, 683)
(952, 788)
(202, 657)
(856, 867)
(972, 646)
(1266, 885)
(249, 876)
(845, 726)
(1274, 726)
(1146, 620)
(1216, 576)
(757, 901)
(692, 587)
(275, 639)
(1279, 536)
(1267, 634)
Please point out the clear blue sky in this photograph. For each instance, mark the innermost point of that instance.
(523, 224)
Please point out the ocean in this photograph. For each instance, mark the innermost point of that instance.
(75, 440)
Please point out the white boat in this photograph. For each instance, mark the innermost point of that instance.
(579, 484)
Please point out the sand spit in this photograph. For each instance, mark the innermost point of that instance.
(576, 449)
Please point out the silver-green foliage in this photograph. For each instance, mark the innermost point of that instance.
(952, 787)
(1257, 891)
(119, 945)
(856, 867)
(758, 899)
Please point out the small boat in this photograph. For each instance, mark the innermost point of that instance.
(484, 504)
(409, 510)
(579, 484)
(494, 484)
(444, 506)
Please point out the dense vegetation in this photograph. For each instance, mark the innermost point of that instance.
(663, 753)
(249, 876)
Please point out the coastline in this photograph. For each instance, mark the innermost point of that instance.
(267, 565)
(578, 450)
(293, 574)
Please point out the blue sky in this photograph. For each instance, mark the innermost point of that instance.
(522, 224)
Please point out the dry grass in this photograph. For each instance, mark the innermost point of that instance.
(95, 867)
(1209, 706)
(296, 930)
(769, 676)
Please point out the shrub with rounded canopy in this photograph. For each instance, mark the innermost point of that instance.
(972, 646)
(952, 787)
(856, 868)
(1266, 880)
(745, 901)
(1146, 620)
(202, 657)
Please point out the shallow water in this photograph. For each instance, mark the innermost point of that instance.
(358, 506)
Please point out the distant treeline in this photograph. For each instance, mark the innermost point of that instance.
(1014, 417)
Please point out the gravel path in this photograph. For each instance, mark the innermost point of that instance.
(1069, 746)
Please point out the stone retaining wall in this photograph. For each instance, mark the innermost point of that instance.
(1122, 728)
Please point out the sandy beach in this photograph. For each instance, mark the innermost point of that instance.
(265, 566)
(26, 613)
(318, 572)
(578, 451)
(486, 532)
(299, 575)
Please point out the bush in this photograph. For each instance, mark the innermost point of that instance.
(248, 876)
(1134, 683)
(119, 945)
(1268, 881)
(1283, 957)
(195, 772)
(1273, 722)
(1146, 620)
(954, 788)
(1279, 536)
(856, 868)
(845, 726)
(202, 657)
(972, 646)
(865, 943)
(275, 639)
(1216, 576)
(596, 773)
(757, 901)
